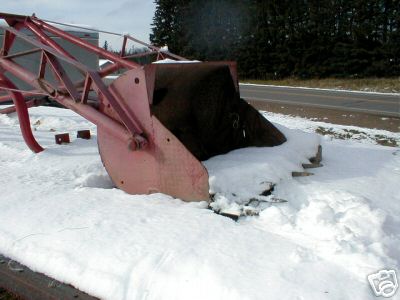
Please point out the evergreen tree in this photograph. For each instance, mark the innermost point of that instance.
(167, 24)
(280, 38)
(105, 45)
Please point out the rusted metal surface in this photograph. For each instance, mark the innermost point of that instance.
(62, 138)
(318, 156)
(301, 174)
(83, 134)
(137, 143)
(26, 284)
(165, 165)
(200, 104)
(150, 158)
(311, 165)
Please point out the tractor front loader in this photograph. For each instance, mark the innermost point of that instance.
(155, 122)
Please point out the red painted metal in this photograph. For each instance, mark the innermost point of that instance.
(46, 40)
(7, 41)
(88, 112)
(123, 46)
(86, 89)
(109, 69)
(139, 153)
(23, 116)
(5, 98)
(62, 76)
(46, 48)
(15, 55)
(29, 104)
(26, 76)
(81, 43)
(9, 37)
(165, 165)
(42, 67)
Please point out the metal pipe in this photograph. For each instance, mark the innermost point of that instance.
(23, 53)
(26, 76)
(46, 48)
(101, 120)
(156, 48)
(23, 116)
(29, 104)
(45, 39)
(5, 98)
(9, 38)
(88, 112)
(125, 36)
(141, 54)
(109, 70)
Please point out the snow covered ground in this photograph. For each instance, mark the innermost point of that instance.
(60, 215)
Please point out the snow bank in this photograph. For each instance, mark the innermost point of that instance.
(244, 174)
(60, 215)
(355, 133)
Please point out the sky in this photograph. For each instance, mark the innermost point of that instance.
(122, 16)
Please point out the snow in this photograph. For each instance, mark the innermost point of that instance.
(102, 62)
(171, 61)
(61, 215)
(322, 89)
(164, 49)
(112, 77)
(360, 134)
(244, 174)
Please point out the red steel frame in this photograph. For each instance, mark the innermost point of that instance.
(121, 112)
(73, 95)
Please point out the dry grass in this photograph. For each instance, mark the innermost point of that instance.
(358, 135)
(388, 85)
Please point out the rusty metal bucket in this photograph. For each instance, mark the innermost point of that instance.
(155, 122)
(188, 113)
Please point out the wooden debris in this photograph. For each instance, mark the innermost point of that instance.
(318, 157)
(230, 214)
(311, 166)
(301, 174)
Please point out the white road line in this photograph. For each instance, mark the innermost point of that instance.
(319, 89)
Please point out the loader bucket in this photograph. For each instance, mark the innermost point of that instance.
(155, 123)
(188, 113)
(200, 104)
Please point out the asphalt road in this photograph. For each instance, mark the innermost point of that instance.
(381, 104)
